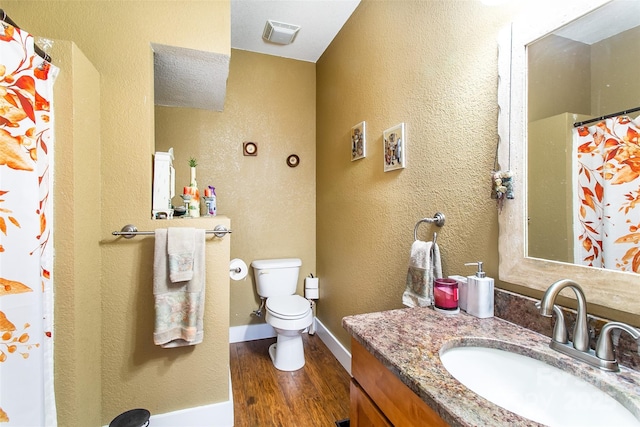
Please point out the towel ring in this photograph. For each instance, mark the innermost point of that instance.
(438, 219)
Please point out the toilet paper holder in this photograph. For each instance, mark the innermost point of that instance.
(237, 269)
(311, 291)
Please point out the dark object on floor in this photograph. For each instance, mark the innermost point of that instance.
(132, 418)
(343, 423)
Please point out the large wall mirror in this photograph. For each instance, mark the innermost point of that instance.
(571, 64)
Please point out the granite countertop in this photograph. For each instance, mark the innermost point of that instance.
(408, 341)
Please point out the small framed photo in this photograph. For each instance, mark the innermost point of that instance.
(395, 147)
(358, 142)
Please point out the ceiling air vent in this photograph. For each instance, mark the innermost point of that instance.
(279, 32)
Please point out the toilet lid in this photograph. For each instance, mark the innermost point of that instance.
(288, 306)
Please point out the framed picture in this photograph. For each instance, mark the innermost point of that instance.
(395, 147)
(358, 142)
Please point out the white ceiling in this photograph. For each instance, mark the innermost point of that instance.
(320, 21)
(606, 21)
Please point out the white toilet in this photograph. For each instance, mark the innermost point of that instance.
(288, 313)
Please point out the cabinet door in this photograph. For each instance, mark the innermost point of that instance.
(363, 412)
(399, 404)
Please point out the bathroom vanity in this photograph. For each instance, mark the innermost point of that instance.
(399, 378)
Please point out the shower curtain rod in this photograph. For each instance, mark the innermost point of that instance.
(4, 17)
(608, 116)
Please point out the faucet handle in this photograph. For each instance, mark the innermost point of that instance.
(560, 333)
(604, 347)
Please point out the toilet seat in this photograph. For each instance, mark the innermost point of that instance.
(289, 307)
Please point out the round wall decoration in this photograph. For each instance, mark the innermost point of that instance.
(250, 149)
(293, 161)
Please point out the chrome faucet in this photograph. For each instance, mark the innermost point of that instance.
(603, 356)
(580, 329)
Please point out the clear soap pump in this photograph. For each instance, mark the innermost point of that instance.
(479, 293)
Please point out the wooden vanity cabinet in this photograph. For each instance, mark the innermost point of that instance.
(380, 399)
(363, 412)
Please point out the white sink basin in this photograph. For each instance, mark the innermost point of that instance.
(534, 389)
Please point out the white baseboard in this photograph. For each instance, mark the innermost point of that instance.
(263, 330)
(215, 415)
(339, 351)
(256, 331)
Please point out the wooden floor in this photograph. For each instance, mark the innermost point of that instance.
(315, 396)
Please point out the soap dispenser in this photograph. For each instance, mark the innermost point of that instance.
(479, 293)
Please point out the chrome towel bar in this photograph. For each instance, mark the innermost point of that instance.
(129, 231)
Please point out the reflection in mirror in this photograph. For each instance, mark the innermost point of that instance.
(583, 181)
(536, 258)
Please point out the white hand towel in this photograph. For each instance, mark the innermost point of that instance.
(424, 267)
(180, 247)
(179, 306)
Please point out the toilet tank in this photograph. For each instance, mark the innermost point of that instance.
(275, 277)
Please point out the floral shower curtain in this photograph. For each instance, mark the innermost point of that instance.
(26, 258)
(607, 200)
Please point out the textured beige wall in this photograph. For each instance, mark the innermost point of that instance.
(115, 36)
(270, 101)
(615, 87)
(433, 66)
(568, 76)
(550, 190)
(76, 225)
(559, 77)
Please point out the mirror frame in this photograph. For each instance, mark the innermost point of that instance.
(608, 288)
